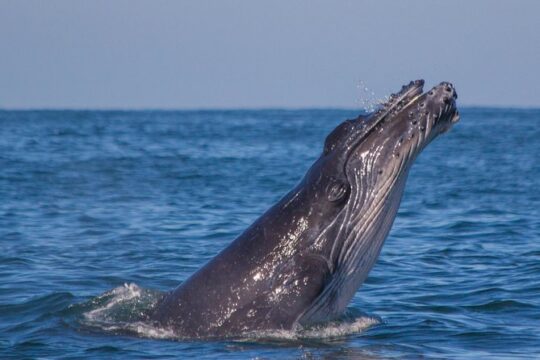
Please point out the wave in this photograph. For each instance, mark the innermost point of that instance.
(126, 309)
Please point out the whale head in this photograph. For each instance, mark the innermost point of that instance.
(394, 134)
(358, 182)
(379, 147)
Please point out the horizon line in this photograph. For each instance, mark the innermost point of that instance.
(247, 108)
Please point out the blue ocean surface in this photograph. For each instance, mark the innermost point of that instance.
(100, 211)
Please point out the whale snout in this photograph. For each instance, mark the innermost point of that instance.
(442, 102)
(445, 92)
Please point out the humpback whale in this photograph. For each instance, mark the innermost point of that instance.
(303, 260)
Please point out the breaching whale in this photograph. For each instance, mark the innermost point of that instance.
(302, 261)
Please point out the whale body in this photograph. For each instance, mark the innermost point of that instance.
(303, 260)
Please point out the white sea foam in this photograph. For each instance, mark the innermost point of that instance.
(339, 329)
(114, 298)
(335, 329)
(124, 310)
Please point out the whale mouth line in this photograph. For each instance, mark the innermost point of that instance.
(414, 99)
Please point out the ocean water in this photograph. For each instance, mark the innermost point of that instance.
(101, 211)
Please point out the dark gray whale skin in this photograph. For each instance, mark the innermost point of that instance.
(302, 261)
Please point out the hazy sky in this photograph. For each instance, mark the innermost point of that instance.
(235, 54)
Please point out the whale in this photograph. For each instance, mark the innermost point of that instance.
(302, 261)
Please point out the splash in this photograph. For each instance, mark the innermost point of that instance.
(126, 309)
(330, 330)
(367, 99)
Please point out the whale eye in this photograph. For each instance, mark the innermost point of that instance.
(337, 135)
(337, 190)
